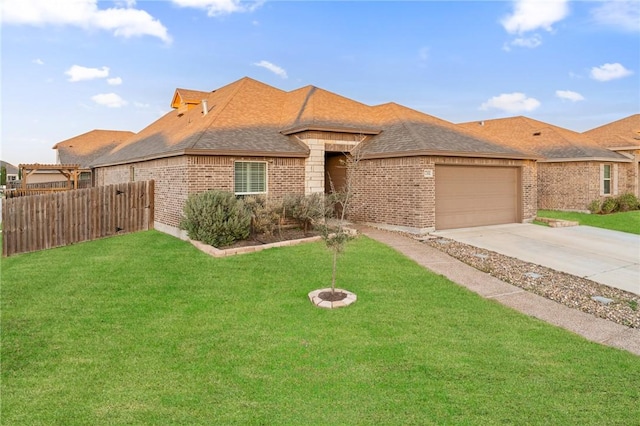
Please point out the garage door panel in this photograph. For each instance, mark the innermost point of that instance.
(469, 196)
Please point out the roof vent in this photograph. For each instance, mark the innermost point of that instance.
(481, 123)
(537, 133)
(205, 109)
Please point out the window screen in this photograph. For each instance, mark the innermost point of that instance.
(250, 177)
(606, 179)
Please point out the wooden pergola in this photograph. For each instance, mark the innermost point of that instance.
(69, 171)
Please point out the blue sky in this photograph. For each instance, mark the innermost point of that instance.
(69, 67)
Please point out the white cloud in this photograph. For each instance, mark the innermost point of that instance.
(38, 61)
(569, 95)
(530, 42)
(79, 73)
(110, 100)
(115, 81)
(273, 68)
(123, 22)
(608, 72)
(511, 103)
(220, 7)
(530, 15)
(621, 14)
(141, 105)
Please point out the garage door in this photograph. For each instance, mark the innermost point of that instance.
(476, 196)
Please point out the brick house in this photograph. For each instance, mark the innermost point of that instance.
(573, 169)
(622, 136)
(84, 149)
(416, 172)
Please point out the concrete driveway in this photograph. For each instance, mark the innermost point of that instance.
(608, 257)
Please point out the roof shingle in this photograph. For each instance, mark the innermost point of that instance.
(248, 117)
(548, 141)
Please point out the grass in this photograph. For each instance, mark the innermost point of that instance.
(145, 329)
(625, 222)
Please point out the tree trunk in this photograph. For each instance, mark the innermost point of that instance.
(333, 275)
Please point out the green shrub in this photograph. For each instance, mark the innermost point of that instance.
(217, 218)
(609, 205)
(266, 215)
(627, 202)
(595, 207)
(307, 210)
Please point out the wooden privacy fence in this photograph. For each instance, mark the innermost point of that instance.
(57, 219)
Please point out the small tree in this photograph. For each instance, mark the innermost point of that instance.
(3, 175)
(336, 237)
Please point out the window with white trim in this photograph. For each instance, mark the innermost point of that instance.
(250, 177)
(606, 179)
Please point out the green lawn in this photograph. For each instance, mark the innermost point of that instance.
(625, 222)
(145, 329)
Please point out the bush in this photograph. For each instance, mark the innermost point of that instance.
(266, 215)
(609, 205)
(217, 218)
(595, 207)
(307, 210)
(627, 202)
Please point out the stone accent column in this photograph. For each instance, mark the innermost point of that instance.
(314, 167)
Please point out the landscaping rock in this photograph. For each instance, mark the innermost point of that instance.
(569, 290)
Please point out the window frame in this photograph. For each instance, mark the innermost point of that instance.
(605, 179)
(248, 177)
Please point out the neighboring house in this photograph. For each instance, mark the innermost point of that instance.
(573, 169)
(84, 149)
(12, 171)
(622, 136)
(415, 173)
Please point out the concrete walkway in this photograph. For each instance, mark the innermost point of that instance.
(592, 328)
(608, 257)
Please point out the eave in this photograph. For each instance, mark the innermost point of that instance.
(207, 152)
(586, 159)
(428, 153)
(333, 129)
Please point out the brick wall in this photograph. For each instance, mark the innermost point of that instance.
(169, 175)
(574, 185)
(395, 191)
(177, 177)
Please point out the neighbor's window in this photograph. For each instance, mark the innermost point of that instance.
(606, 179)
(250, 177)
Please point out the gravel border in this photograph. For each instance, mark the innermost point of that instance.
(569, 290)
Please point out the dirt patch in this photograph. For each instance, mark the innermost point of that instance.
(332, 297)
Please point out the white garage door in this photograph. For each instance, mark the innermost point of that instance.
(469, 196)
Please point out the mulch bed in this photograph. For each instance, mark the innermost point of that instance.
(285, 234)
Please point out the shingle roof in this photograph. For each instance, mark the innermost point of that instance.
(551, 142)
(248, 117)
(410, 131)
(618, 134)
(86, 148)
(10, 168)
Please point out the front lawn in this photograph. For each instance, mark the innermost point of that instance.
(145, 329)
(625, 222)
